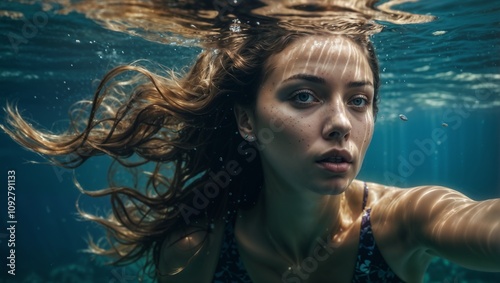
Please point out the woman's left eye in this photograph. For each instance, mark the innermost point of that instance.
(303, 97)
(359, 102)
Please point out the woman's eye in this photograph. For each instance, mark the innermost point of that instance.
(303, 97)
(359, 102)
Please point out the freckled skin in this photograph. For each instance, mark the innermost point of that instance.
(294, 150)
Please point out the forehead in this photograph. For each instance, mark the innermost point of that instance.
(322, 56)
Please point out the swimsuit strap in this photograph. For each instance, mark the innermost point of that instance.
(370, 264)
(365, 196)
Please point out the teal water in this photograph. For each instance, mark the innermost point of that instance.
(443, 76)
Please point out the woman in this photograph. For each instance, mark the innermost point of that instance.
(256, 150)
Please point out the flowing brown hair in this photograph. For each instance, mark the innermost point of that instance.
(182, 125)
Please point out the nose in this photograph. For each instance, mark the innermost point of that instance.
(337, 125)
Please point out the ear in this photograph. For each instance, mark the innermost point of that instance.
(245, 120)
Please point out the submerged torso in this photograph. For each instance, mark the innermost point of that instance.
(238, 252)
(355, 259)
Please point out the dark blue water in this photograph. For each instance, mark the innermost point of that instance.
(443, 76)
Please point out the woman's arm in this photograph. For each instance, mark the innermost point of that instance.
(450, 225)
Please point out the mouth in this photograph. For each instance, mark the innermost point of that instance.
(335, 161)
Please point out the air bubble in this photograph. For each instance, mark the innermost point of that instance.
(235, 26)
(438, 32)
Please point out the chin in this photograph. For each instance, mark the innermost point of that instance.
(335, 186)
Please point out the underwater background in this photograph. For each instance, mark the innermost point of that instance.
(439, 122)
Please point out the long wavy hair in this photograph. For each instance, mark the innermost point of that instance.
(182, 125)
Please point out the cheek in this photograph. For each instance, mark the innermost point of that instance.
(367, 134)
(280, 130)
(362, 131)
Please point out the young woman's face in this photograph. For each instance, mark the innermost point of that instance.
(317, 100)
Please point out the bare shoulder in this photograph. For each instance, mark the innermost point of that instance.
(399, 220)
(417, 197)
(190, 255)
(412, 209)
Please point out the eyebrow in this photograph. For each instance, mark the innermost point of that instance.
(305, 77)
(320, 80)
(359, 84)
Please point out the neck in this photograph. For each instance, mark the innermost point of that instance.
(298, 222)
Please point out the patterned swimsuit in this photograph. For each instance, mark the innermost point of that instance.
(370, 265)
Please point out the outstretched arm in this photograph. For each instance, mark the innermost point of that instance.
(450, 225)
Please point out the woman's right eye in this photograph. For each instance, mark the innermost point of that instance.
(304, 96)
